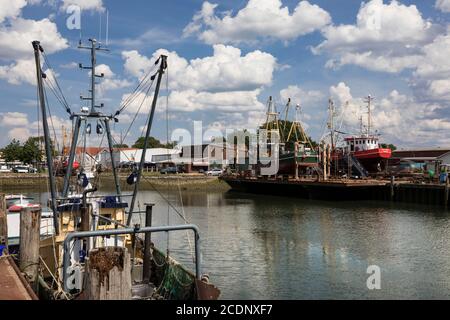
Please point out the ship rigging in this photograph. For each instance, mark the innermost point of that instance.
(84, 223)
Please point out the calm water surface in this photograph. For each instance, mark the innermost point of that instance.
(261, 247)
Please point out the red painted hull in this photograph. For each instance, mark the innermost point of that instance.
(374, 154)
(373, 160)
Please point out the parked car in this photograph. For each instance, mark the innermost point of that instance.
(4, 169)
(169, 170)
(20, 169)
(32, 170)
(214, 172)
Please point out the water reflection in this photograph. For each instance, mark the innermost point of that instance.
(258, 247)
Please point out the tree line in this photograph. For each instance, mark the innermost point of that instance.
(32, 150)
(29, 152)
(152, 143)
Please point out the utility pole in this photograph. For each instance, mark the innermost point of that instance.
(48, 151)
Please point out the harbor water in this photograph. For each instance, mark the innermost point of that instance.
(262, 247)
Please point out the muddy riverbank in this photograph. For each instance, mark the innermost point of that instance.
(106, 181)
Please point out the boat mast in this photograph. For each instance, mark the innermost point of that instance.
(48, 150)
(94, 47)
(369, 112)
(162, 67)
(331, 111)
(288, 104)
(272, 121)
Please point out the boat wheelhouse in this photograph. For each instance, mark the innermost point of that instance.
(366, 149)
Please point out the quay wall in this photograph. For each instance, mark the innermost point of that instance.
(427, 194)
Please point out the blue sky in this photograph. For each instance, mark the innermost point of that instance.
(227, 57)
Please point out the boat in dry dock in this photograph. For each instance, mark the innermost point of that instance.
(365, 147)
(333, 169)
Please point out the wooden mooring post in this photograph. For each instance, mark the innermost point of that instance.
(392, 188)
(3, 225)
(30, 224)
(446, 192)
(108, 274)
(147, 272)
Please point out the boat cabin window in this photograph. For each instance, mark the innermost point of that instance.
(102, 222)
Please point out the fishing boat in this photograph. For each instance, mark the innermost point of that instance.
(297, 155)
(14, 202)
(85, 223)
(14, 205)
(365, 147)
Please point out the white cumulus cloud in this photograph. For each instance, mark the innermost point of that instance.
(443, 5)
(11, 119)
(96, 5)
(11, 8)
(258, 20)
(226, 70)
(17, 36)
(386, 37)
(300, 96)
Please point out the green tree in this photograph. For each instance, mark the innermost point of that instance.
(388, 146)
(152, 143)
(31, 151)
(120, 145)
(13, 151)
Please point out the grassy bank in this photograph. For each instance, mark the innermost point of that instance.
(106, 182)
(170, 182)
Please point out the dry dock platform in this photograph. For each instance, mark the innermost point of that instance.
(345, 189)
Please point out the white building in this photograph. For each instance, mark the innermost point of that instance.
(203, 157)
(444, 158)
(153, 156)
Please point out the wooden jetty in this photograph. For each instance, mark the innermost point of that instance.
(12, 283)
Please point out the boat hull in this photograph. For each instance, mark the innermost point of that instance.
(374, 160)
(288, 161)
(312, 190)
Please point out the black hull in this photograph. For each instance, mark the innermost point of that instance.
(309, 190)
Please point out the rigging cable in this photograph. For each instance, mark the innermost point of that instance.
(142, 84)
(159, 192)
(137, 112)
(55, 143)
(58, 87)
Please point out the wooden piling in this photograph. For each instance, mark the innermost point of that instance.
(30, 224)
(446, 193)
(85, 218)
(392, 187)
(147, 272)
(3, 224)
(108, 274)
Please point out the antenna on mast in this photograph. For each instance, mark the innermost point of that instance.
(93, 48)
(369, 101)
(331, 111)
(107, 28)
(100, 28)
